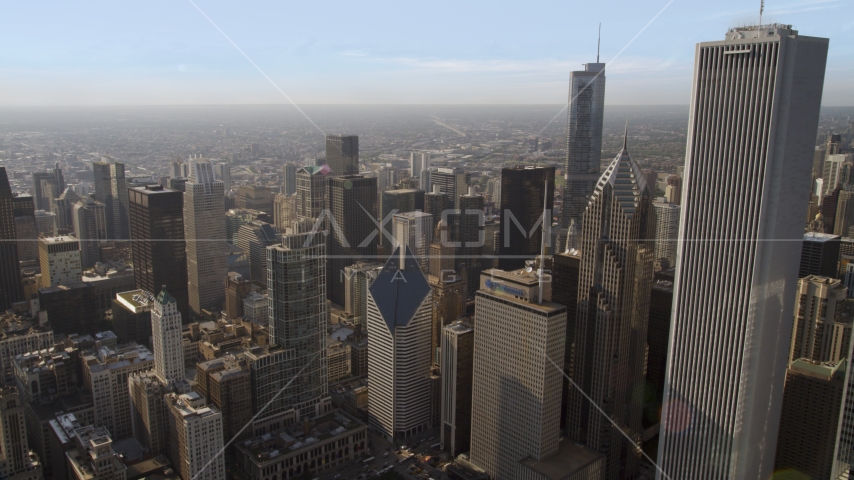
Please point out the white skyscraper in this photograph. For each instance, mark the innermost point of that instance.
(666, 230)
(167, 342)
(415, 230)
(751, 135)
(204, 232)
(399, 326)
(583, 138)
(516, 391)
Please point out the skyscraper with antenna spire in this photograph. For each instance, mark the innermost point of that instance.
(583, 138)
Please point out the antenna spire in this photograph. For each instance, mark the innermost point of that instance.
(626, 136)
(599, 42)
(761, 11)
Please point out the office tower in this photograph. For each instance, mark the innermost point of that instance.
(195, 432)
(833, 168)
(566, 267)
(342, 154)
(298, 315)
(63, 206)
(844, 212)
(26, 234)
(290, 178)
(735, 286)
(105, 373)
(226, 384)
(452, 182)
(159, 251)
(457, 363)
(828, 209)
(516, 391)
(810, 419)
(311, 191)
(819, 255)
(415, 230)
(132, 316)
(522, 217)
(436, 203)
(222, 171)
(673, 190)
(17, 461)
(417, 163)
(11, 290)
(617, 255)
(90, 228)
(46, 223)
(658, 331)
(403, 200)
(651, 177)
(255, 197)
(357, 278)
(284, 211)
(204, 230)
(45, 188)
(821, 325)
(71, 308)
(60, 261)
(583, 139)
(237, 288)
(167, 340)
(111, 190)
(149, 412)
(352, 204)
(467, 230)
(666, 229)
(424, 180)
(450, 289)
(399, 357)
(256, 308)
(178, 184)
(254, 238)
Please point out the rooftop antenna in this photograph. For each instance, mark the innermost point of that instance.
(761, 11)
(599, 42)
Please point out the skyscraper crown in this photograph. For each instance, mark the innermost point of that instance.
(625, 177)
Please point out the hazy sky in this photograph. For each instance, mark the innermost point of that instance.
(437, 51)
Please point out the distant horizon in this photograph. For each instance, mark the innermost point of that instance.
(213, 52)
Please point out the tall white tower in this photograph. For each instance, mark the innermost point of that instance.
(166, 333)
(204, 232)
(399, 361)
(751, 135)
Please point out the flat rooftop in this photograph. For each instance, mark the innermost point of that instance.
(569, 460)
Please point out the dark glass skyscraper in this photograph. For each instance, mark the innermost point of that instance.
(157, 232)
(342, 154)
(522, 191)
(586, 105)
(353, 233)
(111, 190)
(11, 290)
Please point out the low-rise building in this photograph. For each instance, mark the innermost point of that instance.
(337, 360)
(93, 457)
(322, 443)
(19, 335)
